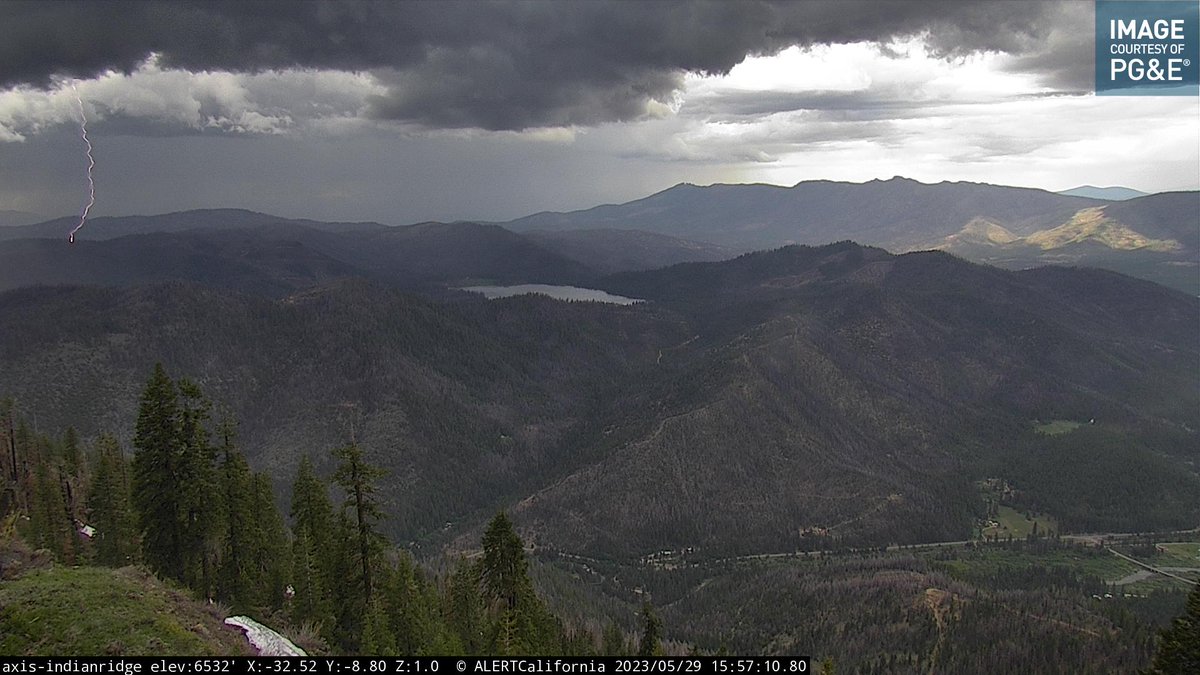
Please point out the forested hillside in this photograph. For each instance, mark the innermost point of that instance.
(188, 507)
(757, 404)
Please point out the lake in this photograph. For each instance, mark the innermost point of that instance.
(557, 292)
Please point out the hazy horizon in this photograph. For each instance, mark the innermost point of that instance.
(300, 216)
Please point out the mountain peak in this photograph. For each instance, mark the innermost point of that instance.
(1112, 193)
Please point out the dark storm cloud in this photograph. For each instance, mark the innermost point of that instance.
(498, 66)
(1065, 55)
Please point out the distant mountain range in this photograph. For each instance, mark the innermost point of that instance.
(1154, 236)
(266, 255)
(9, 218)
(1112, 193)
(207, 220)
(899, 214)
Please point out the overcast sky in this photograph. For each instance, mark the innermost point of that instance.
(407, 111)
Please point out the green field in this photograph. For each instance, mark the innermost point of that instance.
(986, 561)
(1009, 521)
(1169, 555)
(1154, 584)
(1178, 554)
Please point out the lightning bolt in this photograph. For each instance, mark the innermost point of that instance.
(91, 165)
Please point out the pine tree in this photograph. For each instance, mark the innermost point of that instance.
(523, 625)
(346, 585)
(73, 479)
(71, 476)
(109, 506)
(236, 583)
(200, 515)
(438, 638)
(272, 561)
(507, 639)
(174, 482)
(27, 453)
(651, 644)
(504, 573)
(377, 638)
(8, 460)
(312, 517)
(72, 458)
(505, 580)
(398, 596)
(579, 642)
(465, 610)
(9, 496)
(14, 484)
(156, 492)
(613, 640)
(357, 479)
(310, 604)
(414, 610)
(314, 563)
(311, 510)
(50, 526)
(1179, 646)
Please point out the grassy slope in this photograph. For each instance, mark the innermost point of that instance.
(90, 611)
(1010, 521)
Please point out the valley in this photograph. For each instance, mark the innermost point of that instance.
(1038, 586)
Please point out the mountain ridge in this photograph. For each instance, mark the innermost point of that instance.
(111, 227)
(260, 253)
(812, 194)
(1111, 193)
(1153, 236)
(901, 214)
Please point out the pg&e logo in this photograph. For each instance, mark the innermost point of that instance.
(1147, 48)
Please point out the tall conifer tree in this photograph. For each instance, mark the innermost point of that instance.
(156, 494)
(272, 557)
(465, 609)
(236, 583)
(50, 523)
(314, 557)
(505, 570)
(651, 644)
(196, 482)
(1179, 646)
(357, 479)
(523, 625)
(109, 506)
